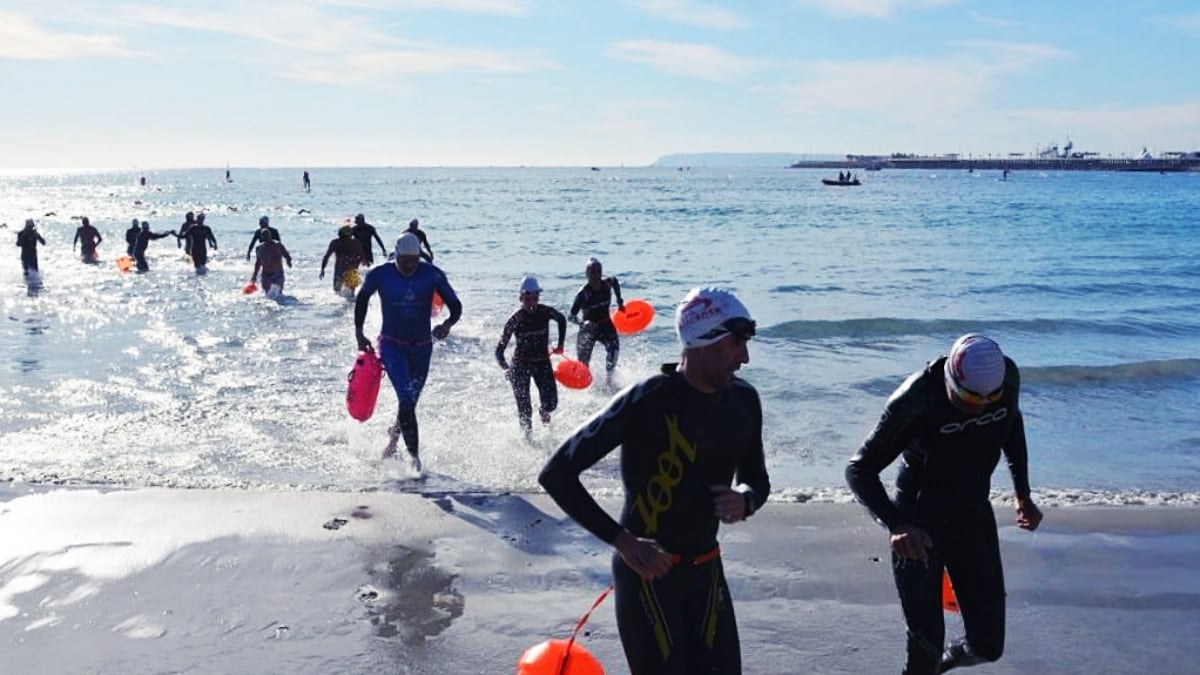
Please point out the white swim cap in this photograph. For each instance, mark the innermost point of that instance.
(706, 315)
(976, 364)
(408, 244)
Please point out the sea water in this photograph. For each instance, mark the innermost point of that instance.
(1090, 281)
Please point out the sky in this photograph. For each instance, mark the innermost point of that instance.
(312, 83)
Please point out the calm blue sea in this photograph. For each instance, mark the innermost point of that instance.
(1090, 281)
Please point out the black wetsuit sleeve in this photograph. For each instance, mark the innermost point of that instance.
(253, 241)
(895, 430)
(1016, 451)
(562, 324)
(382, 246)
(616, 289)
(752, 470)
(509, 327)
(588, 445)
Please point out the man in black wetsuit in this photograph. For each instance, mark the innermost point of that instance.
(264, 227)
(531, 357)
(414, 226)
(131, 237)
(364, 232)
(199, 236)
(143, 239)
(189, 221)
(28, 240)
(596, 325)
(951, 421)
(691, 458)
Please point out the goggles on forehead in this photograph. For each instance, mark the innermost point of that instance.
(971, 397)
(737, 326)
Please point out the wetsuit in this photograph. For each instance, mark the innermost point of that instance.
(258, 237)
(188, 223)
(131, 237)
(89, 238)
(597, 322)
(531, 359)
(675, 443)
(199, 236)
(28, 240)
(139, 247)
(943, 487)
(405, 340)
(364, 233)
(420, 235)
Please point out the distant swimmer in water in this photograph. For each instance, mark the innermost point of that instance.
(414, 226)
(143, 181)
(264, 227)
(531, 358)
(307, 182)
(90, 238)
(302, 212)
(347, 255)
(198, 238)
(593, 301)
(364, 232)
(28, 240)
(143, 240)
(269, 258)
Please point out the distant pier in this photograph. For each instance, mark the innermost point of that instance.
(1189, 162)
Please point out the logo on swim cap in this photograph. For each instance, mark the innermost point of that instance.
(702, 312)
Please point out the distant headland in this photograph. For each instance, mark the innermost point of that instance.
(1051, 158)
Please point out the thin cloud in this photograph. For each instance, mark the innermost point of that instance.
(916, 89)
(699, 61)
(1101, 121)
(687, 12)
(21, 38)
(496, 7)
(1187, 24)
(873, 9)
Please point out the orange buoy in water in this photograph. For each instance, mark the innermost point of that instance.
(949, 601)
(573, 374)
(249, 288)
(558, 657)
(124, 263)
(637, 315)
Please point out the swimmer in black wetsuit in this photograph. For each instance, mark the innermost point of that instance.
(531, 357)
(951, 421)
(144, 236)
(199, 237)
(414, 226)
(90, 238)
(594, 300)
(366, 235)
(131, 237)
(264, 227)
(28, 240)
(691, 458)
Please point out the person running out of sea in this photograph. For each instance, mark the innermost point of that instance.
(594, 300)
(347, 255)
(144, 237)
(264, 228)
(364, 233)
(414, 226)
(131, 236)
(198, 238)
(951, 421)
(89, 238)
(691, 443)
(405, 291)
(307, 182)
(269, 258)
(28, 240)
(531, 357)
(189, 221)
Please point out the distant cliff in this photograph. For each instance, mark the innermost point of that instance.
(735, 159)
